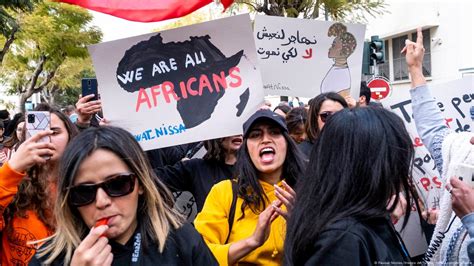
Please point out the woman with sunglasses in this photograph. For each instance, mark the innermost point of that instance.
(321, 108)
(341, 214)
(242, 221)
(111, 209)
(28, 187)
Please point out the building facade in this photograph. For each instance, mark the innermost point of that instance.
(448, 31)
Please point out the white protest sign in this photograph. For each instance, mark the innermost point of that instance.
(183, 85)
(300, 57)
(454, 100)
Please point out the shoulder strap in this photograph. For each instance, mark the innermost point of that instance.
(232, 208)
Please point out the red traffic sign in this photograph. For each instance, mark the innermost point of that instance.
(379, 87)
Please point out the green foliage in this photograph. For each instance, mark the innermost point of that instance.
(7, 21)
(50, 50)
(337, 10)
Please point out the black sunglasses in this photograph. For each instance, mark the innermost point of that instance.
(116, 186)
(325, 115)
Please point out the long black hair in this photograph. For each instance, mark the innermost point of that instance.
(249, 189)
(362, 157)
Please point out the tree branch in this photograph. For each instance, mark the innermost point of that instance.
(7, 44)
(46, 81)
(34, 78)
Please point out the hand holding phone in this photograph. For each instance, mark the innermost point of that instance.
(465, 173)
(38, 121)
(89, 87)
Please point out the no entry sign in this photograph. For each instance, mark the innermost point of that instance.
(379, 87)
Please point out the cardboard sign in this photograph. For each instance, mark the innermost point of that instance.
(183, 85)
(304, 58)
(454, 100)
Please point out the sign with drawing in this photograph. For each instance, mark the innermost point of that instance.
(301, 57)
(181, 85)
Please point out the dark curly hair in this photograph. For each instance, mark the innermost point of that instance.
(214, 150)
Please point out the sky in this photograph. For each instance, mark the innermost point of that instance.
(115, 28)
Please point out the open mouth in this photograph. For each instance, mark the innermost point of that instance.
(267, 154)
(237, 141)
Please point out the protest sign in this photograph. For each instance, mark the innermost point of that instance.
(183, 85)
(454, 100)
(304, 58)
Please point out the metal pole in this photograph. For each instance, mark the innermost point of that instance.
(376, 68)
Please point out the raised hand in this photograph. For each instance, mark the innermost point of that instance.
(85, 110)
(414, 53)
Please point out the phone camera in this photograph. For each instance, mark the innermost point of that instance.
(31, 118)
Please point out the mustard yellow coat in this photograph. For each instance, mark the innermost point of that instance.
(212, 223)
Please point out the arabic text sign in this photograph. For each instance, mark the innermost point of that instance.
(179, 86)
(301, 57)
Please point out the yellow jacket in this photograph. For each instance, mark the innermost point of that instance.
(212, 223)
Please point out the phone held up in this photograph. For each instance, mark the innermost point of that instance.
(89, 86)
(38, 121)
(465, 172)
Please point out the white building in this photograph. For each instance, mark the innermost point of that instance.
(448, 31)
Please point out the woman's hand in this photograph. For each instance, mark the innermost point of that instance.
(240, 249)
(400, 208)
(462, 197)
(31, 152)
(85, 110)
(414, 58)
(94, 249)
(351, 102)
(262, 231)
(104, 122)
(430, 215)
(286, 196)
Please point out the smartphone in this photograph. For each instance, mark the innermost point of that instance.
(38, 121)
(89, 86)
(465, 172)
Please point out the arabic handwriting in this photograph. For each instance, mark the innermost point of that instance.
(268, 53)
(300, 40)
(274, 35)
(309, 53)
(292, 53)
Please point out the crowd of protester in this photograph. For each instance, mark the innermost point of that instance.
(320, 184)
